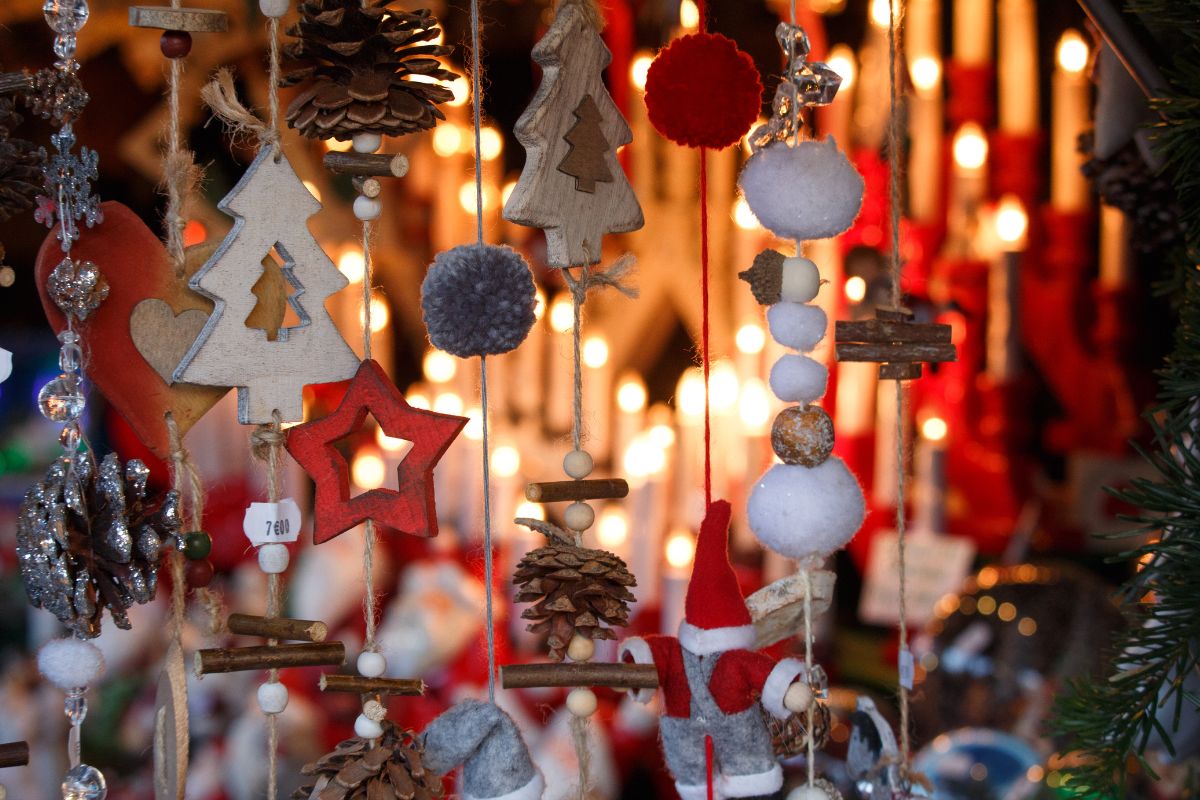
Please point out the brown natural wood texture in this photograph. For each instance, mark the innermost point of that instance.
(305, 630)
(167, 18)
(621, 676)
(895, 342)
(383, 165)
(280, 656)
(909, 351)
(556, 491)
(353, 683)
(882, 332)
(14, 754)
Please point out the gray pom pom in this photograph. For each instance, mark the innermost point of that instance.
(478, 300)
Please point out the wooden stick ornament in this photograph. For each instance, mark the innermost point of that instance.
(894, 341)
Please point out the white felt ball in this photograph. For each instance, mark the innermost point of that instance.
(798, 379)
(806, 792)
(800, 511)
(273, 558)
(273, 8)
(800, 327)
(367, 208)
(367, 142)
(810, 191)
(272, 698)
(582, 702)
(70, 663)
(800, 281)
(367, 728)
(579, 516)
(581, 648)
(371, 665)
(577, 464)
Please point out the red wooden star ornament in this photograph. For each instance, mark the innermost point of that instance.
(409, 508)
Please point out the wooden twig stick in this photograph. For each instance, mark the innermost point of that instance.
(383, 165)
(554, 491)
(909, 351)
(14, 754)
(244, 659)
(621, 676)
(305, 630)
(353, 683)
(881, 332)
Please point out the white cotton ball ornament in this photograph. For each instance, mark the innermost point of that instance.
(800, 511)
(366, 142)
(582, 702)
(800, 280)
(579, 516)
(577, 464)
(70, 663)
(371, 665)
(798, 379)
(800, 327)
(367, 208)
(273, 558)
(818, 791)
(273, 8)
(272, 697)
(810, 191)
(367, 728)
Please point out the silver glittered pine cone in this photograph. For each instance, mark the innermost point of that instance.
(88, 539)
(20, 165)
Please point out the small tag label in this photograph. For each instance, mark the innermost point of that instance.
(935, 565)
(272, 522)
(907, 668)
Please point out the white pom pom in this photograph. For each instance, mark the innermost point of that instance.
(582, 702)
(70, 663)
(371, 665)
(273, 558)
(367, 208)
(800, 280)
(367, 728)
(798, 379)
(814, 792)
(809, 191)
(800, 327)
(273, 8)
(367, 142)
(272, 698)
(800, 511)
(577, 464)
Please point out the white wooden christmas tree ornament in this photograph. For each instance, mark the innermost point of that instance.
(572, 185)
(271, 207)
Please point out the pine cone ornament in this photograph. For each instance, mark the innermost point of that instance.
(20, 166)
(391, 770)
(789, 736)
(361, 61)
(88, 539)
(574, 589)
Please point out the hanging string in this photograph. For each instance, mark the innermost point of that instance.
(370, 602)
(808, 664)
(477, 109)
(186, 481)
(894, 16)
(577, 296)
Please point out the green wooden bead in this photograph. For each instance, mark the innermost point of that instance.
(197, 545)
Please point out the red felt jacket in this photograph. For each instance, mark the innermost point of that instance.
(736, 683)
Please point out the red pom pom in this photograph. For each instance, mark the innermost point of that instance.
(701, 91)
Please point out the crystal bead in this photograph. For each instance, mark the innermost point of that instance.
(792, 39)
(818, 681)
(65, 16)
(819, 84)
(62, 399)
(69, 437)
(70, 358)
(84, 782)
(64, 48)
(75, 706)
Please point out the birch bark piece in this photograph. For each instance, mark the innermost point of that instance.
(574, 210)
(171, 728)
(777, 609)
(168, 18)
(271, 207)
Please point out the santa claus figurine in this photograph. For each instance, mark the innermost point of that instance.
(715, 685)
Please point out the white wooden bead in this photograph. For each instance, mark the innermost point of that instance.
(581, 648)
(801, 280)
(582, 702)
(272, 698)
(273, 8)
(371, 665)
(577, 464)
(367, 208)
(798, 697)
(371, 188)
(367, 142)
(806, 792)
(579, 516)
(367, 728)
(273, 558)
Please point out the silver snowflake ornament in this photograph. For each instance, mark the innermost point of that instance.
(67, 179)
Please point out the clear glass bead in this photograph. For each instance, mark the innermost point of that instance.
(70, 358)
(65, 16)
(84, 782)
(64, 48)
(62, 399)
(75, 707)
(69, 437)
(818, 681)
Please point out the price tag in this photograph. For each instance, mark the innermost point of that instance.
(272, 522)
(935, 565)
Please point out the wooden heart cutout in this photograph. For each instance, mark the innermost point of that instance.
(162, 336)
(135, 264)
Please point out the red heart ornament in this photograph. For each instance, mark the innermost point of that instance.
(134, 262)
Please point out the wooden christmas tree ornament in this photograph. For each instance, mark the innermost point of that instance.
(895, 342)
(410, 507)
(270, 205)
(572, 185)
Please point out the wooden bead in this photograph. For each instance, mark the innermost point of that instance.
(273, 558)
(175, 44)
(367, 208)
(272, 698)
(366, 142)
(582, 702)
(577, 464)
(579, 516)
(198, 574)
(581, 648)
(371, 665)
(371, 187)
(367, 728)
(798, 697)
(197, 545)
(802, 435)
(800, 281)
(273, 8)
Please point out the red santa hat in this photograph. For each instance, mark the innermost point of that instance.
(715, 617)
